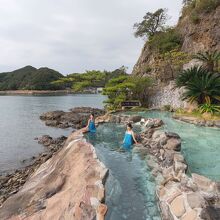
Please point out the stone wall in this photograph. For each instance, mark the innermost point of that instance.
(167, 95)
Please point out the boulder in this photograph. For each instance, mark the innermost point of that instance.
(177, 206)
(195, 200)
(217, 123)
(203, 182)
(179, 166)
(135, 118)
(173, 144)
(190, 215)
(51, 115)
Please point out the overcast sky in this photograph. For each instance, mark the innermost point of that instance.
(74, 35)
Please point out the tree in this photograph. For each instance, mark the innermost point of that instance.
(127, 88)
(187, 2)
(210, 59)
(151, 24)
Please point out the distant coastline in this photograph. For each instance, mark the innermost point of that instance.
(39, 92)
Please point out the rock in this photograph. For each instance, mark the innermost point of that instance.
(190, 215)
(209, 123)
(217, 123)
(135, 118)
(172, 135)
(202, 182)
(46, 140)
(88, 110)
(52, 192)
(51, 115)
(101, 211)
(177, 206)
(153, 123)
(179, 166)
(173, 144)
(76, 118)
(178, 157)
(195, 200)
(211, 213)
(158, 135)
(52, 123)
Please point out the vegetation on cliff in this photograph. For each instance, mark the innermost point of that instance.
(29, 78)
(194, 8)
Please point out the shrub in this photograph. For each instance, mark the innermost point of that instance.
(201, 86)
(194, 8)
(209, 108)
(166, 41)
(206, 5)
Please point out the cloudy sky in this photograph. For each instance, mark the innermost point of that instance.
(74, 35)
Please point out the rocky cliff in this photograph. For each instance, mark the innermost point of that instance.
(67, 186)
(202, 36)
(195, 37)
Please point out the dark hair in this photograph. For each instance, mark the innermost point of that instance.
(92, 114)
(129, 125)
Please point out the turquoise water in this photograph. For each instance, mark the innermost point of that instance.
(130, 187)
(20, 124)
(200, 145)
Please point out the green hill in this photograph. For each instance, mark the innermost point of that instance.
(30, 78)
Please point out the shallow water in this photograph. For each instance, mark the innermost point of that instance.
(130, 187)
(200, 145)
(20, 124)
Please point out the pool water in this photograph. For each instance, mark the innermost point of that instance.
(130, 187)
(200, 145)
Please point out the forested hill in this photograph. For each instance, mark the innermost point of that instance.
(30, 78)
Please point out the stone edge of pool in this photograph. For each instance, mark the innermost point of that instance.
(196, 121)
(179, 195)
(52, 192)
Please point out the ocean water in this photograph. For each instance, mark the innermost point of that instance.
(20, 124)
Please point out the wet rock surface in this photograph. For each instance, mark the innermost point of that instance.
(12, 182)
(75, 118)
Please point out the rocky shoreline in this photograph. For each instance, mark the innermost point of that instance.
(76, 118)
(69, 185)
(11, 182)
(52, 179)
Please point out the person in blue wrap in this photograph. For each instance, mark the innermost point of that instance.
(90, 125)
(129, 138)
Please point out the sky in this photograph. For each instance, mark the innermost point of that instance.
(74, 35)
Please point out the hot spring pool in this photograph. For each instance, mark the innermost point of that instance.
(200, 145)
(130, 188)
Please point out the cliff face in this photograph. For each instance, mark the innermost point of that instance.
(202, 36)
(196, 37)
(67, 186)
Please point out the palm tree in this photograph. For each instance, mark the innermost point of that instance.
(186, 75)
(210, 59)
(203, 88)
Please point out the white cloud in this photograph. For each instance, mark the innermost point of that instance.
(74, 35)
